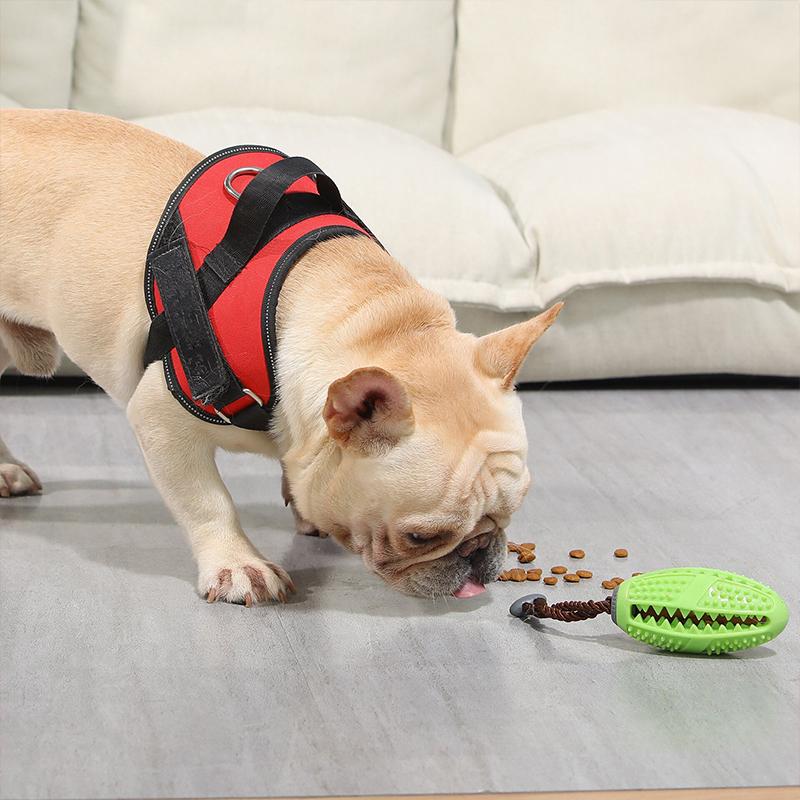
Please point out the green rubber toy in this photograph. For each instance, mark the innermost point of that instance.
(685, 610)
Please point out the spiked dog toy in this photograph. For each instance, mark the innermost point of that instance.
(686, 610)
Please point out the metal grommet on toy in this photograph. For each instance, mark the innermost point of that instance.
(687, 610)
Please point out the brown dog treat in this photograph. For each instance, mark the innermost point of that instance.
(635, 574)
(518, 575)
(534, 574)
(576, 554)
(525, 557)
(551, 580)
(513, 547)
(583, 573)
(617, 580)
(571, 577)
(528, 545)
(608, 585)
(558, 570)
(621, 552)
(503, 576)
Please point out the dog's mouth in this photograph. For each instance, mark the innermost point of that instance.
(470, 588)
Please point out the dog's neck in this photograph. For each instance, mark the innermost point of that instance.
(346, 304)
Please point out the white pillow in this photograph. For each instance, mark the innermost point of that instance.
(439, 219)
(525, 61)
(36, 40)
(386, 60)
(654, 195)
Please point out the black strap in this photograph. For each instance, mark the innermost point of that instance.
(254, 210)
(188, 323)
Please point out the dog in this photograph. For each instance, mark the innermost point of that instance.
(399, 436)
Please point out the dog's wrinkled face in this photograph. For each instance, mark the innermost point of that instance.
(428, 461)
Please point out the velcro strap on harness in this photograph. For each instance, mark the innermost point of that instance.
(187, 319)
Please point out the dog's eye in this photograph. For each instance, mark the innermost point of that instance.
(423, 538)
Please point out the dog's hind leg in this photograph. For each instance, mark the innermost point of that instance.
(16, 478)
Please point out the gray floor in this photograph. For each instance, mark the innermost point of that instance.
(117, 681)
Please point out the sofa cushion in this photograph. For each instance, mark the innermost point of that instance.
(524, 61)
(660, 329)
(654, 195)
(36, 41)
(443, 221)
(137, 57)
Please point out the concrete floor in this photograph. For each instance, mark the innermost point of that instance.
(118, 681)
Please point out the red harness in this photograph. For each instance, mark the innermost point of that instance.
(215, 268)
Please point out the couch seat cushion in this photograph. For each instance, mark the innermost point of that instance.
(653, 195)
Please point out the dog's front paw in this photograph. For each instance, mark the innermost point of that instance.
(17, 479)
(245, 581)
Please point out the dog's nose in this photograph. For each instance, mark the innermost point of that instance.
(480, 542)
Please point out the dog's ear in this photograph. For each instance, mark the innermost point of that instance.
(368, 410)
(500, 355)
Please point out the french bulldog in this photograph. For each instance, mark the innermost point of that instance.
(399, 436)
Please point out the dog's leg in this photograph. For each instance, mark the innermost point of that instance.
(16, 478)
(179, 451)
(302, 526)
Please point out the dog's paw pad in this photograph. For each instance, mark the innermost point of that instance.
(254, 581)
(18, 479)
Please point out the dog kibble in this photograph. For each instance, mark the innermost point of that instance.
(513, 547)
(608, 585)
(518, 575)
(551, 580)
(534, 574)
(583, 573)
(570, 577)
(621, 552)
(528, 545)
(558, 570)
(525, 557)
(617, 579)
(576, 554)
(635, 574)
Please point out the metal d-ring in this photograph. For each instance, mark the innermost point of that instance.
(228, 183)
(249, 393)
(252, 394)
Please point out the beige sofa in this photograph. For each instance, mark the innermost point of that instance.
(640, 159)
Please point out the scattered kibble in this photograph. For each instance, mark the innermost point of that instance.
(551, 580)
(534, 574)
(513, 547)
(518, 575)
(558, 570)
(576, 554)
(635, 574)
(608, 585)
(583, 573)
(528, 545)
(621, 552)
(525, 557)
(571, 577)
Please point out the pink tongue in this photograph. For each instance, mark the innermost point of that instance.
(469, 589)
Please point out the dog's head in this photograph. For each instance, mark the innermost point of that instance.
(426, 459)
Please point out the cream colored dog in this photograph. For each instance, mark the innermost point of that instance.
(398, 435)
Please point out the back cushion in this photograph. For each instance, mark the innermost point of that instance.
(36, 39)
(386, 60)
(524, 61)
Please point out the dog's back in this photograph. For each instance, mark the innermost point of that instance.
(80, 195)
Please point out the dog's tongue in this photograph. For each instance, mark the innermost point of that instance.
(469, 589)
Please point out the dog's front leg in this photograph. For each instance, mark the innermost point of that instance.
(179, 451)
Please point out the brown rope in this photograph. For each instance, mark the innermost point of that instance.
(567, 611)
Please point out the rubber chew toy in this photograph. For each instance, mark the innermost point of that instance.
(687, 610)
